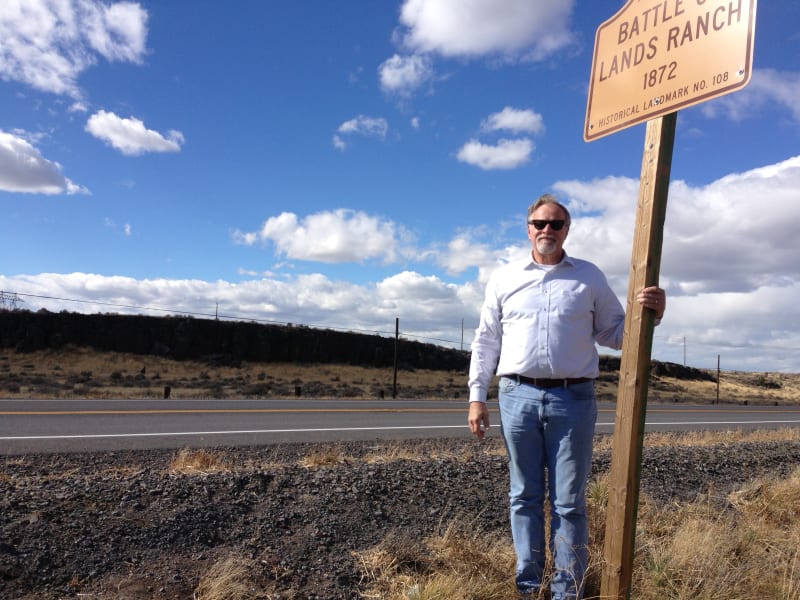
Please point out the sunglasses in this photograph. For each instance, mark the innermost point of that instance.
(555, 225)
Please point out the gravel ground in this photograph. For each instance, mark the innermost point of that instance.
(124, 526)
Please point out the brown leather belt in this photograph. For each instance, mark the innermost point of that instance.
(548, 383)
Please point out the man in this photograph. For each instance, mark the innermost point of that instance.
(539, 323)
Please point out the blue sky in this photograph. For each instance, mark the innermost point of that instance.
(344, 164)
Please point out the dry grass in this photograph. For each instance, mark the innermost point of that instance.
(745, 548)
(331, 455)
(712, 438)
(749, 548)
(228, 579)
(192, 461)
(742, 549)
(424, 450)
(460, 563)
(74, 372)
(77, 372)
(324, 456)
(709, 438)
(202, 461)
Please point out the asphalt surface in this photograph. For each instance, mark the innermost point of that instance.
(52, 426)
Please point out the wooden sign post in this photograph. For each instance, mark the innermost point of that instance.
(650, 59)
(634, 371)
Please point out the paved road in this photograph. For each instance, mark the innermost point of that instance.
(35, 426)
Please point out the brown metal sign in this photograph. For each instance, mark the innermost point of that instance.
(656, 56)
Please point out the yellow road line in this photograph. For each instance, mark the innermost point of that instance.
(188, 411)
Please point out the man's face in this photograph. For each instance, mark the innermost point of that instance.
(547, 243)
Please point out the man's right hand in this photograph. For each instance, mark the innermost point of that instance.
(478, 419)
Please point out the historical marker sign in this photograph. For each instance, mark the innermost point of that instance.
(656, 56)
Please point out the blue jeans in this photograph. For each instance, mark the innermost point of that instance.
(549, 429)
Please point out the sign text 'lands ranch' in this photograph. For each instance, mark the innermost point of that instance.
(654, 57)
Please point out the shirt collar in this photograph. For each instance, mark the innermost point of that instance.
(566, 260)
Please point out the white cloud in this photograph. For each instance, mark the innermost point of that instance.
(330, 237)
(767, 86)
(24, 169)
(749, 331)
(717, 238)
(130, 136)
(402, 75)
(506, 154)
(514, 120)
(728, 262)
(117, 31)
(603, 213)
(514, 28)
(426, 305)
(508, 29)
(47, 45)
(362, 125)
(366, 126)
(465, 252)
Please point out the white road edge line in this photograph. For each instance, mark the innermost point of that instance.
(262, 431)
(232, 432)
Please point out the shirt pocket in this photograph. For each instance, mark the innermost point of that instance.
(572, 303)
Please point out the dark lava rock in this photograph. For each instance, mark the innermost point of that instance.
(123, 525)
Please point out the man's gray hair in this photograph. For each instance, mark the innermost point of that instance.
(549, 199)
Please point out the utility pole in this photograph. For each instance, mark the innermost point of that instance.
(9, 300)
(396, 341)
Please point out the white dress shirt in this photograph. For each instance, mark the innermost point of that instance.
(543, 321)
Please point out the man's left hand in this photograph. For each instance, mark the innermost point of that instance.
(654, 298)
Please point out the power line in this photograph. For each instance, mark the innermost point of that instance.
(726, 345)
